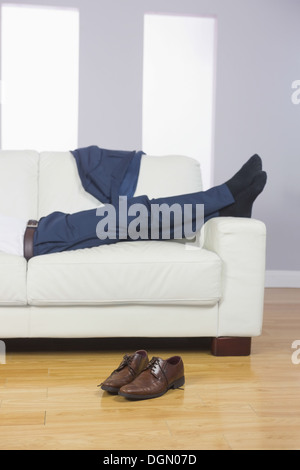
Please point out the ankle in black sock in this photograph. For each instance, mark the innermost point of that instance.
(242, 207)
(244, 177)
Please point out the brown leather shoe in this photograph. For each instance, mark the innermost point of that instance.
(154, 381)
(127, 371)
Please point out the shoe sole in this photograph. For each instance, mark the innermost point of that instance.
(113, 390)
(178, 383)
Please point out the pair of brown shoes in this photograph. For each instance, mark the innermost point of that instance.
(138, 378)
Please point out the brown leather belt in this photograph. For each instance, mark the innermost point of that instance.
(28, 238)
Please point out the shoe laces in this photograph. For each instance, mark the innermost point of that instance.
(153, 365)
(127, 359)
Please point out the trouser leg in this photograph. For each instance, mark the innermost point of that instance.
(213, 199)
(64, 232)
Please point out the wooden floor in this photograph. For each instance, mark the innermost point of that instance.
(49, 397)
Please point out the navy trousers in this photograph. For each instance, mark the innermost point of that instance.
(59, 232)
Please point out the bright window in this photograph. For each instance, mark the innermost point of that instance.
(178, 87)
(40, 73)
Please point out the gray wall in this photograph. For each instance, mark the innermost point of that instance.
(258, 59)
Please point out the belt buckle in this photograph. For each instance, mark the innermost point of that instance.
(32, 224)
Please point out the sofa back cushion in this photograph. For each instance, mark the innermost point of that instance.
(19, 183)
(60, 188)
(168, 175)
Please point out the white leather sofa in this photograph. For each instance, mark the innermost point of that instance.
(135, 289)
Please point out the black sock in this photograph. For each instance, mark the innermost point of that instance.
(242, 207)
(245, 175)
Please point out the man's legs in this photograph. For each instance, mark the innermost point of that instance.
(63, 232)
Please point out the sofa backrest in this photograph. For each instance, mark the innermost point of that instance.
(33, 185)
(19, 183)
(168, 176)
(60, 187)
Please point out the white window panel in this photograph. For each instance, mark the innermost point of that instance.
(40, 74)
(178, 87)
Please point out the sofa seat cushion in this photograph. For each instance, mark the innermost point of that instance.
(13, 271)
(145, 272)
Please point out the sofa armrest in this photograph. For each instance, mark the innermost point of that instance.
(241, 245)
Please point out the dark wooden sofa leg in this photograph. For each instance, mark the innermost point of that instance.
(231, 346)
